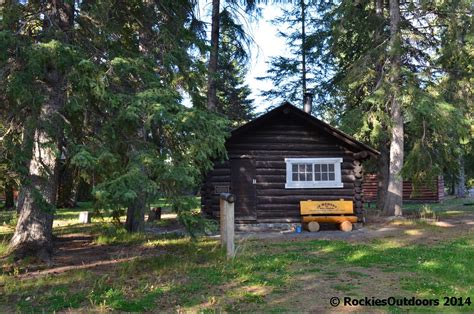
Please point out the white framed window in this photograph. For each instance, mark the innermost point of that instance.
(313, 173)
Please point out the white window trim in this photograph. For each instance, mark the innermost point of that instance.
(337, 183)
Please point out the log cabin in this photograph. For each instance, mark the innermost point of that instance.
(281, 158)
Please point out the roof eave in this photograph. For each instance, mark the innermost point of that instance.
(326, 127)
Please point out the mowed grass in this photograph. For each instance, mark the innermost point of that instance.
(265, 276)
(450, 207)
(196, 275)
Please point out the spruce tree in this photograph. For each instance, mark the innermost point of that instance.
(97, 84)
(366, 66)
(292, 75)
(233, 94)
(46, 45)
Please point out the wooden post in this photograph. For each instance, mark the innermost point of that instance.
(84, 218)
(227, 223)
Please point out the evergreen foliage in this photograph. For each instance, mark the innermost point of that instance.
(97, 85)
(286, 72)
(122, 66)
(232, 92)
(349, 56)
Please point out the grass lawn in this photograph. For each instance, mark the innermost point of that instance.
(172, 273)
(450, 207)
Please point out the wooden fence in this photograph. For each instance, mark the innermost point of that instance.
(431, 193)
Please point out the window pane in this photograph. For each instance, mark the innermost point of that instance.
(322, 171)
(294, 168)
(295, 176)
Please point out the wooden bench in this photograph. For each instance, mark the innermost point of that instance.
(340, 212)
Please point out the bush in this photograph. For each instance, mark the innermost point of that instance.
(190, 216)
(426, 212)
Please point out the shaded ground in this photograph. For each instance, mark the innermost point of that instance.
(79, 251)
(99, 267)
(85, 250)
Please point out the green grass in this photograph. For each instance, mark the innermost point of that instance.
(190, 272)
(265, 276)
(454, 206)
(448, 207)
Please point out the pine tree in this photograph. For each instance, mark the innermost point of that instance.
(213, 58)
(359, 81)
(147, 135)
(456, 60)
(233, 94)
(234, 5)
(46, 53)
(98, 84)
(394, 196)
(291, 75)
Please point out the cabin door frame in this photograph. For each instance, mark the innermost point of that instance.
(243, 186)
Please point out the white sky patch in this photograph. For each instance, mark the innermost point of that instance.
(266, 44)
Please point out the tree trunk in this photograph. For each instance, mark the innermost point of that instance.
(213, 58)
(154, 214)
(136, 214)
(20, 201)
(9, 197)
(379, 12)
(67, 187)
(384, 158)
(461, 183)
(383, 174)
(84, 191)
(394, 197)
(33, 232)
(145, 33)
(303, 47)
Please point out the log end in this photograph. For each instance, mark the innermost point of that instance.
(313, 226)
(345, 226)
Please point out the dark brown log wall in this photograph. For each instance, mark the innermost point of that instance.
(433, 193)
(268, 146)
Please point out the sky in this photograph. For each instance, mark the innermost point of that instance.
(266, 44)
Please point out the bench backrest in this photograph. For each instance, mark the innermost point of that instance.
(326, 207)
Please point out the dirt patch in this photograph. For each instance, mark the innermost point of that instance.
(317, 289)
(78, 251)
